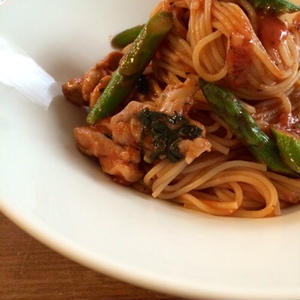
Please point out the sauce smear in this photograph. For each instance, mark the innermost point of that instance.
(271, 30)
(238, 59)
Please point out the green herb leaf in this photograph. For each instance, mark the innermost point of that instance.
(167, 132)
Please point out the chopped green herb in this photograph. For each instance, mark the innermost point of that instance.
(166, 132)
(175, 119)
(189, 132)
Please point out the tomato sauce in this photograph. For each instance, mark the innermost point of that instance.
(271, 30)
(239, 60)
(296, 21)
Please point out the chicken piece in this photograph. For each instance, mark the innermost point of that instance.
(80, 90)
(117, 142)
(101, 69)
(179, 98)
(98, 90)
(104, 126)
(72, 91)
(191, 149)
(125, 173)
(126, 128)
(116, 160)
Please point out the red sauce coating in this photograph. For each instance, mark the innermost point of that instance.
(296, 20)
(289, 123)
(239, 55)
(295, 26)
(271, 30)
(238, 59)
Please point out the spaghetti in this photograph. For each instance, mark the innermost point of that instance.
(254, 55)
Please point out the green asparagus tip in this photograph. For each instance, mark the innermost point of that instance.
(289, 147)
(277, 7)
(228, 107)
(126, 37)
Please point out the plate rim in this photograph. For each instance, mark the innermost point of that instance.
(67, 248)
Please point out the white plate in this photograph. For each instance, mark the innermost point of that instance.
(61, 197)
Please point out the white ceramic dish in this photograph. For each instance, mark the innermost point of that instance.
(61, 197)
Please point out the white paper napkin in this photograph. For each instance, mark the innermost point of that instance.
(21, 72)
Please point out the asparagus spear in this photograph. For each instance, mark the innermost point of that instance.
(277, 7)
(145, 45)
(289, 147)
(229, 108)
(126, 37)
(132, 66)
